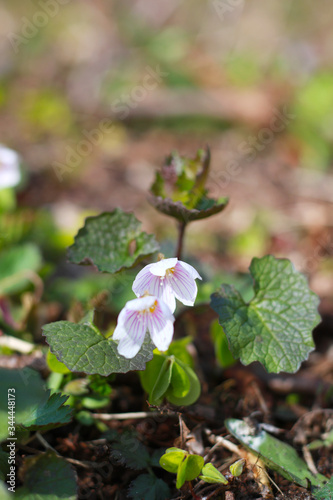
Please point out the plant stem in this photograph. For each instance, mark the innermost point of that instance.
(181, 233)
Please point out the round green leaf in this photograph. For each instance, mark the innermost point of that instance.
(112, 241)
(153, 367)
(163, 380)
(275, 326)
(222, 350)
(193, 393)
(189, 469)
(180, 382)
(178, 349)
(171, 460)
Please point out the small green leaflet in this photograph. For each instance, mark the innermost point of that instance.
(82, 348)
(189, 469)
(112, 241)
(186, 466)
(34, 409)
(210, 474)
(275, 327)
(172, 459)
(47, 477)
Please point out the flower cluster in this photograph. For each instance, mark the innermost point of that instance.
(157, 287)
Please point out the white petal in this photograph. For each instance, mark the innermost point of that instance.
(161, 267)
(190, 269)
(142, 281)
(119, 332)
(131, 333)
(183, 285)
(10, 174)
(160, 329)
(8, 155)
(140, 304)
(145, 281)
(166, 310)
(167, 296)
(128, 348)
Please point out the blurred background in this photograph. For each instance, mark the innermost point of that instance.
(94, 94)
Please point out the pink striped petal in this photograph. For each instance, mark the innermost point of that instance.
(183, 285)
(190, 269)
(130, 331)
(160, 328)
(143, 281)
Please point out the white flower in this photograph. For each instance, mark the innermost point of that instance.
(168, 279)
(138, 316)
(10, 174)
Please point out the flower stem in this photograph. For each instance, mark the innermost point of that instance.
(181, 233)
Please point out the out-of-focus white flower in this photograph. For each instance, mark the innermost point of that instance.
(10, 174)
(168, 279)
(139, 315)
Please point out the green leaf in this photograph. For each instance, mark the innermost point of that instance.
(193, 393)
(15, 266)
(275, 454)
(222, 351)
(148, 487)
(163, 379)
(237, 467)
(180, 382)
(210, 474)
(83, 349)
(275, 326)
(94, 402)
(325, 493)
(34, 407)
(47, 477)
(106, 242)
(172, 458)
(153, 367)
(129, 451)
(178, 349)
(189, 469)
(177, 210)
